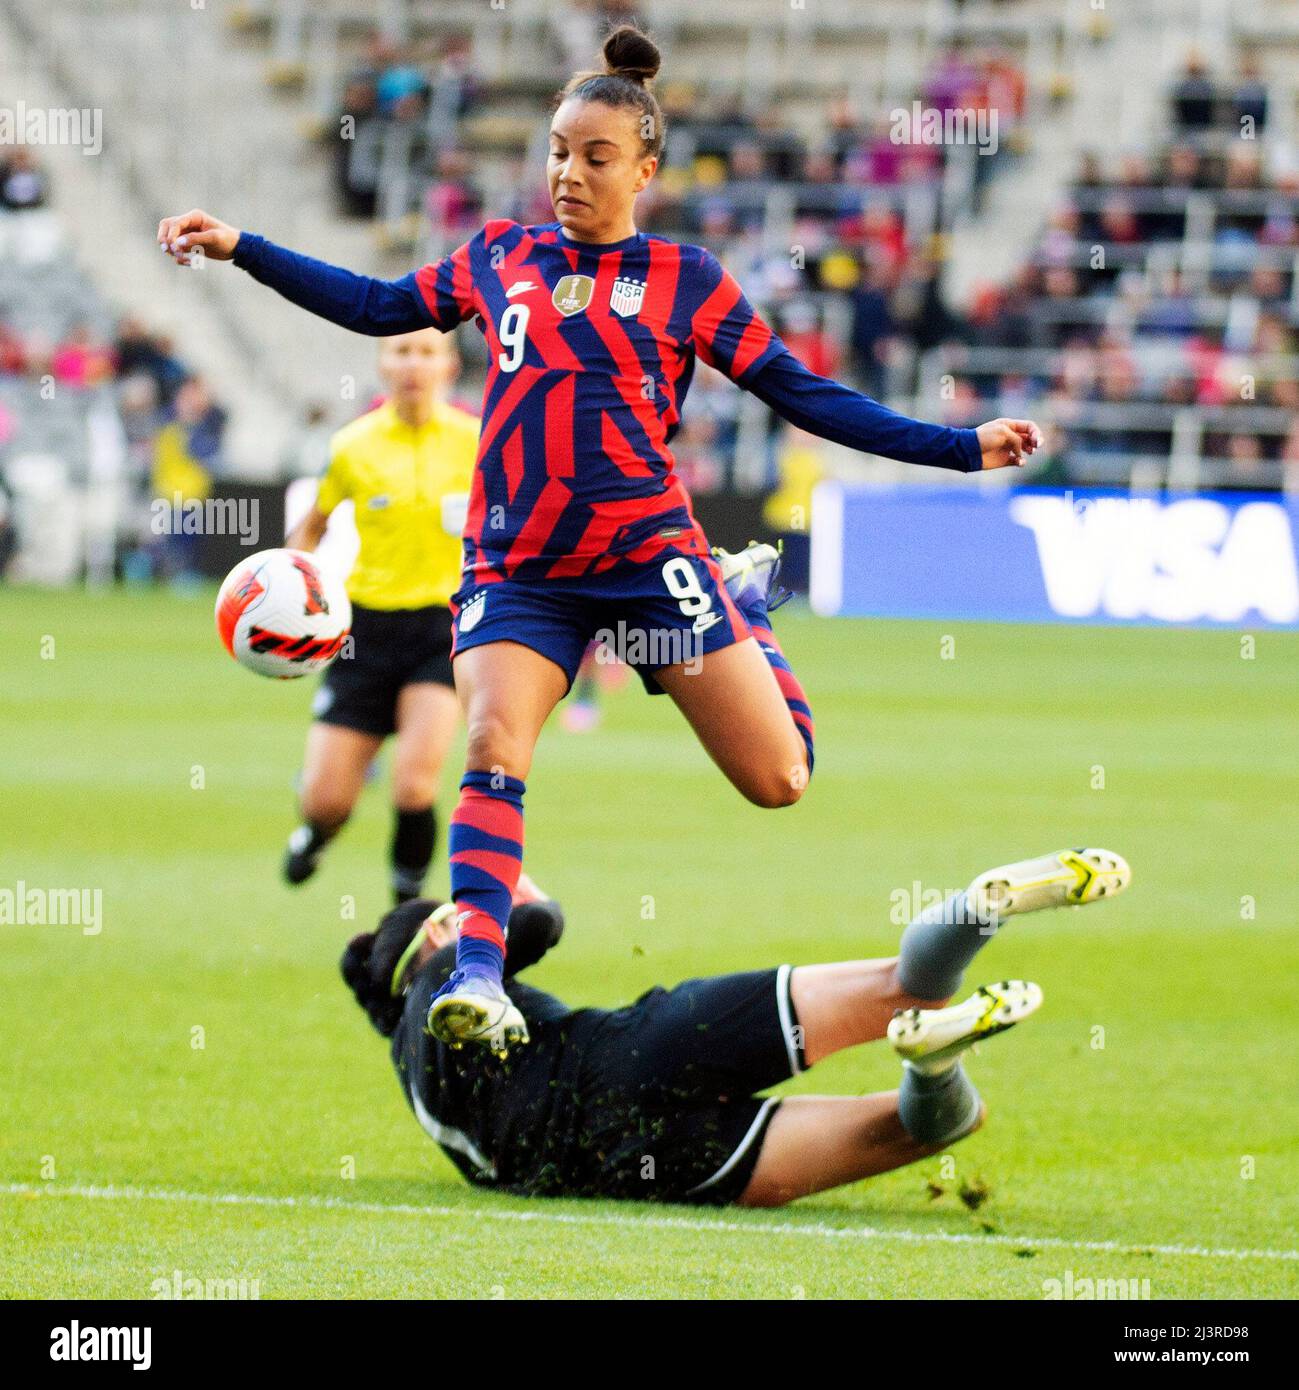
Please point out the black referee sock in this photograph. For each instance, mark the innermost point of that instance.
(414, 837)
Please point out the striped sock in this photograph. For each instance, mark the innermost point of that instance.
(486, 851)
(754, 608)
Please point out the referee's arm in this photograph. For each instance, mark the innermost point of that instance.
(307, 534)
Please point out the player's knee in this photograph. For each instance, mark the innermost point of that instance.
(781, 786)
(491, 743)
(413, 789)
(323, 806)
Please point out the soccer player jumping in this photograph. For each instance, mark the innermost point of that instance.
(577, 519)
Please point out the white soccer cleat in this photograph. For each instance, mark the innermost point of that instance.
(753, 568)
(1070, 878)
(931, 1039)
(475, 1009)
(757, 559)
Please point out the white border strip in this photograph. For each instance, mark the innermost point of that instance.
(785, 1008)
(540, 1216)
(448, 1137)
(826, 565)
(750, 1134)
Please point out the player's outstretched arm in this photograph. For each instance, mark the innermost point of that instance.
(358, 302)
(835, 412)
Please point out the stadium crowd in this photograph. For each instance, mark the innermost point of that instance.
(1156, 318)
(59, 354)
(1163, 282)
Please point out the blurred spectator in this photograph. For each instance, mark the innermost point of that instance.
(798, 325)
(8, 540)
(202, 420)
(184, 455)
(79, 361)
(13, 351)
(356, 133)
(453, 208)
(22, 184)
(1194, 96)
(872, 329)
(1249, 99)
(137, 351)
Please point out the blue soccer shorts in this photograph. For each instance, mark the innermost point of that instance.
(672, 610)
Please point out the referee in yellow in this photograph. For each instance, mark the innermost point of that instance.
(407, 466)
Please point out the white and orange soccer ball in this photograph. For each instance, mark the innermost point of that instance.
(283, 614)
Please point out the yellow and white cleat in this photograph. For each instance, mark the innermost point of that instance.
(475, 1009)
(1071, 878)
(931, 1039)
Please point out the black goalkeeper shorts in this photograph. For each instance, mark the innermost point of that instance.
(391, 648)
(668, 1089)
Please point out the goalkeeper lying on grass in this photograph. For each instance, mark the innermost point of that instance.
(660, 1100)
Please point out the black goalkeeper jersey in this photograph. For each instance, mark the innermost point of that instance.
(655, 1101)
(509, 1124)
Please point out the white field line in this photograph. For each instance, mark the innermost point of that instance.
(660, 1223)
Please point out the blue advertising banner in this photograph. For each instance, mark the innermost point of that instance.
(1043, 555)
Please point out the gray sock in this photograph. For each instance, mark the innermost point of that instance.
(937, 1109)
(938, 945)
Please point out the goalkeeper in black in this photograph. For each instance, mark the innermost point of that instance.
(663, 1100)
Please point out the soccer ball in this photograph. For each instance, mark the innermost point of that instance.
(283, 614)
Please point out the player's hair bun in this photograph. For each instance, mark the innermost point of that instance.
(632, 54)
(631, 60)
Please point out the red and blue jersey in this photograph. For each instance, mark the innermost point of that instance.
(591, 350)
(590, 354)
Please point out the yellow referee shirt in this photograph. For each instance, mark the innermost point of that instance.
(410, 487)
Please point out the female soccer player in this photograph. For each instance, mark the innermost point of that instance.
(577, 519)
(407, 467)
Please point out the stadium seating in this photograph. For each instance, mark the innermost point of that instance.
(1150, 324)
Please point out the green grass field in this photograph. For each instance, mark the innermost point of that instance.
(140, 761)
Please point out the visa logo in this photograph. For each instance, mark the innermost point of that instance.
(1185, 560)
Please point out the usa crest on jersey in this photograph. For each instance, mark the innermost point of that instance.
(626, 296)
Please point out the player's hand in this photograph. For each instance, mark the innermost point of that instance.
(180, 236)
(1004, 443)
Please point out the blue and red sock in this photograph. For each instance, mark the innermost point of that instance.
(486, 852)
(754, 609)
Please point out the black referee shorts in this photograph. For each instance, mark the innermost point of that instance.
(669, 1085)
(391, 648)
